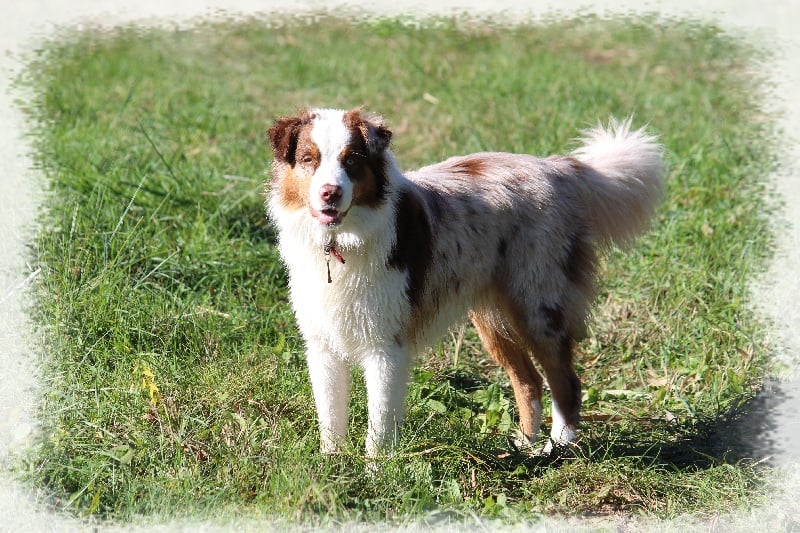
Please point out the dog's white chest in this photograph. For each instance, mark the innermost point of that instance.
(364, 308)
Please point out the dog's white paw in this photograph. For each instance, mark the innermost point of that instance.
(525, 445)
(554, 446)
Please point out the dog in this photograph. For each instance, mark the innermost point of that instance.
(382, 263)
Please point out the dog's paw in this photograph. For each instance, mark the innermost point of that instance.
(525, 445)
(557, 448)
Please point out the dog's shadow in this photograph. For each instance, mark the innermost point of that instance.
(742, 434)
(739, 435)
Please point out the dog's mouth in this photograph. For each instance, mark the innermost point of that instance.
(329, 216)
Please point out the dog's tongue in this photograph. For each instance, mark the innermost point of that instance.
(328, 216)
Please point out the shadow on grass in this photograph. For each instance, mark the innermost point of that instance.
(742, 434)
(763, 429)
(736, 436)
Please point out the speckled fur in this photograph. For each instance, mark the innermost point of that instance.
(509, 240)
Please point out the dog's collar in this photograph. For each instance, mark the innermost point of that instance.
(328, 250)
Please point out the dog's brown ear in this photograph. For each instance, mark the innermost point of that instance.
(374, 133)
(283, 137)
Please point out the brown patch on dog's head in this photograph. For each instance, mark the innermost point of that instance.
(296, 159)
(283, 136)
(364, 159)
(373, 133)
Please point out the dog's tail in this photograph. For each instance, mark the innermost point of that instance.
(623, 182)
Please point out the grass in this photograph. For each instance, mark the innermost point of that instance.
(175, 378)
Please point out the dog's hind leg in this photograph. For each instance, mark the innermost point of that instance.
(507, 350)
(566, 389)
(553, 349)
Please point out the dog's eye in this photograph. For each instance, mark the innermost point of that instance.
(307, 159)
(353, 159)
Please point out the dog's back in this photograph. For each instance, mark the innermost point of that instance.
(533, 225)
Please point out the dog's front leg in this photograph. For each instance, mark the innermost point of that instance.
(330, 382)
(386, 376)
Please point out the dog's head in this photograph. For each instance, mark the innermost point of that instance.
(328, 161)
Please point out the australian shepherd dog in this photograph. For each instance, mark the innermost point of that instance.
(382, 262)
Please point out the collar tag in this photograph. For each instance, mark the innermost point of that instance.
(327, 250)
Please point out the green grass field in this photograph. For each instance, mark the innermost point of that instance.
(175, 378)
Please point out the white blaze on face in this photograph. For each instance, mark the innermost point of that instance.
(331, 137)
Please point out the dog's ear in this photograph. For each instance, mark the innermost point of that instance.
(374, 133)
(283, 137)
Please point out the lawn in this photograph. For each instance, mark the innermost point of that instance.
(174, 373)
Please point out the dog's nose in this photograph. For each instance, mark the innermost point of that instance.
(330, 193)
